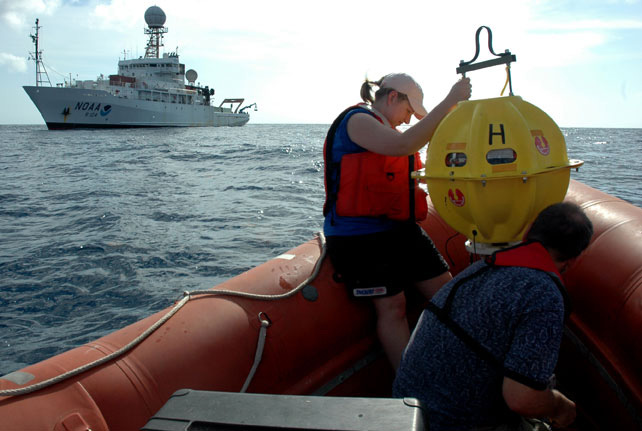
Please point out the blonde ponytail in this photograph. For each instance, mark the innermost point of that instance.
(366, 90)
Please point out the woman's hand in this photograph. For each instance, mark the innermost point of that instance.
(460, 91)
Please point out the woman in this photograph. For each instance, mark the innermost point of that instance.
(372, 204)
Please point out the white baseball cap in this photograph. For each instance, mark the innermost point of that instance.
(404, 83)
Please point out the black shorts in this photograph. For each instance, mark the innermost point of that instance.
(384, 263)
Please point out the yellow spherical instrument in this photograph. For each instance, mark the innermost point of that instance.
(493, 165)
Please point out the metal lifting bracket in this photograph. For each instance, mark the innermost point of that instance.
(504, 58)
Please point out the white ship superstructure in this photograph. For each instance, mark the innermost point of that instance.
(146, 92)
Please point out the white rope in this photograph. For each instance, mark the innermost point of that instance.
(186, 297)
(83, 368)
(258, 355)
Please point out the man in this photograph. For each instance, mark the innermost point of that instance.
(483, 353)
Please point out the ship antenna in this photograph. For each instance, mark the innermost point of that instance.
(155, 19)
(41, 72)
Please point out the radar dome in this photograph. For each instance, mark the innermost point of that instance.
(155, 17)
(191, 75)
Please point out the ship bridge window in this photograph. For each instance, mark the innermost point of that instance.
(501, 156)
(456, 159)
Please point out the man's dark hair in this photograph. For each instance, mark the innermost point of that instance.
(562, 228)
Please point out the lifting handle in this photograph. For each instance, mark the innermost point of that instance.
(503, 58)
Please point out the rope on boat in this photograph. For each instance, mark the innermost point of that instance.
(83, 368)
(265, 323)
(186, 297)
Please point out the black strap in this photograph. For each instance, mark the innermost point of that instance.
(565, 296)
(443, 314)
(331, 197)
(464, 336)
(411, 187)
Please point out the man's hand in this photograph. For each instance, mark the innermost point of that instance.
(531, 403)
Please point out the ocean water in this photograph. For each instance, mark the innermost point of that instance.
(101, 228)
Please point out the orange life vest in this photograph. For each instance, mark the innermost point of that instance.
(371, 184)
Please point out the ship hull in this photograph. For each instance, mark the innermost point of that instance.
(70, 108)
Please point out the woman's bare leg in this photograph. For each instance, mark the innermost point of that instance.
(429, 287)
(392, 326)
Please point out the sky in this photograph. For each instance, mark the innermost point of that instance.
(303, 61)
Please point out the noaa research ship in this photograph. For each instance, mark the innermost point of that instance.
(146, 92)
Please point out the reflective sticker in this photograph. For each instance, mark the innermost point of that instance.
(286, 256)
(370, 291)
(19, 377)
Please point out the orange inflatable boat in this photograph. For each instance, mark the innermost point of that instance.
(317, 341)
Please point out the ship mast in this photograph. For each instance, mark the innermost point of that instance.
(41, 73)
(155, 19)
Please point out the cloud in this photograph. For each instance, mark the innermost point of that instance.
(591, 24)
(13, 63)
(19, 13)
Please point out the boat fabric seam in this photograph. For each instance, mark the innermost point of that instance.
(604, 374)
(186, 297)
(360, 364)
